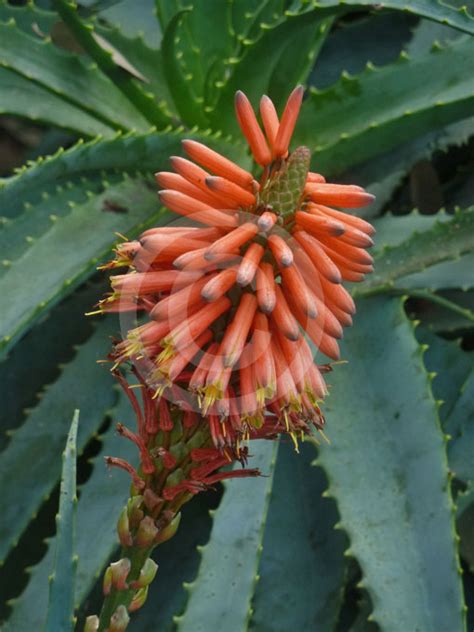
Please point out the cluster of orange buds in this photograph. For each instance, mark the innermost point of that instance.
(247, 287)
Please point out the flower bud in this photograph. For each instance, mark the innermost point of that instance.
(119, 572)
(91, 624)
(147, 531)
(169, 531)
(123, 528)
(147, 574)
(135, 514)
(139, 599)
(119, 620)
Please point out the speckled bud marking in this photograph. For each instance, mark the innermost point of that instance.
(283, 190)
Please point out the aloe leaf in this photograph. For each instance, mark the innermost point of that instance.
(443, 241)
(22, 97)
(61, 587)
(34, 449)
(393, 230)
(219, 597)
(444, 321)
(131, 152)
(69, 77)
(301, 572)
(363, 116)
(186, 101)
(449, 365)
(143, 101)
(26, 370)
(146, 61)
(30, 18)
(65, 255)
(437, 10)
(101, 499)
(257, 68)
(460, 426)
(384, 432)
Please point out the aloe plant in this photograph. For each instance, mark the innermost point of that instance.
(370, 531)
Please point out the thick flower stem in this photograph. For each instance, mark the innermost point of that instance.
(116, 597)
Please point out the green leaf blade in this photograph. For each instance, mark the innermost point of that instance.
(302, 569)
(222, 592)
(385, 437)
(61, 595)
(363, 116)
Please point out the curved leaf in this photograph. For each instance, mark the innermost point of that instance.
(61, 587)
(219, 597)
(33, 453)
(100, 502)
(385, 437)
(437, 10)
(444, 241)
(22, 97)
(67, 76)
(68, 252)
(363, 116)
(302, 569)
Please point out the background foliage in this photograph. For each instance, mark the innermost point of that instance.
(374, 531)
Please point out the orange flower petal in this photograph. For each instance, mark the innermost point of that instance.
(218, 285)
(288, 121)
(249, 264)
(237, 331)
(266, 296)
(232, 240)
(317, 225)
(352, 220)
(347, 196)
(269, 119)
(230, 190)
(282, 317)
(251, 130)
(322, 262)
(198, 211)
(280, 250)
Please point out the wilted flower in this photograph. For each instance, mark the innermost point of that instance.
(231, 294)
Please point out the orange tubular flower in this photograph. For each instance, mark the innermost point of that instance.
(238, 293)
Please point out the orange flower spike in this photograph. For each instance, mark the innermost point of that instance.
(232, 240)
(352, 220)
(319, 226)
(269, 119)
(266, 294)
(282, 317)
(280, 250)
(180, 303)
(218, 285)
(251, 130)
(288, 122)
(347, 196)
(249, 264)
(321, 261)
(190, 329)
(216, 163)
(198, 211)
(237, 332)
(295, 286)
(230, 190)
